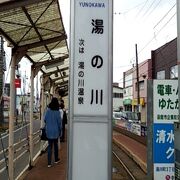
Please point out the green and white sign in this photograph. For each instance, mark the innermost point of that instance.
(165, 101)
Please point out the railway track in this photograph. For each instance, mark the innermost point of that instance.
(124, 167)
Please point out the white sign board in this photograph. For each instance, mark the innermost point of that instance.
(90, 90)
(91, 57)
(165, 101)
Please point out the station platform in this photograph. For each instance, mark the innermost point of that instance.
(40, 171)
(58, 171)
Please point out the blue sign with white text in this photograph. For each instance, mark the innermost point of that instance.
(163, 143)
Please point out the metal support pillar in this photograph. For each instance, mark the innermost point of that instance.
(52, 90)
(42, 109)
(31, 116)
(15, 60)
(11, 119)
(42, 101)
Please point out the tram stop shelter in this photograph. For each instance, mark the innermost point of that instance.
(34, 30)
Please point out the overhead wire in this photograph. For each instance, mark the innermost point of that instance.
(159, 50)
(164, 16)
(128, 10)
(141, 8)
(158, 23)
(157, 33)
(153, 8)
(149, 70)
(148, 8)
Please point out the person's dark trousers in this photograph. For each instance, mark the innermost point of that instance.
(63, 132)
(51, 143)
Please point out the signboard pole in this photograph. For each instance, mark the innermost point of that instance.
(178, 47)
(177, 125)
(149, 130)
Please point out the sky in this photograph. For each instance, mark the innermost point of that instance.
(147, 23)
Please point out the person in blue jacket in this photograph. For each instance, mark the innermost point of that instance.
(53, 127)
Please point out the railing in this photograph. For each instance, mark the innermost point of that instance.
(21, 155)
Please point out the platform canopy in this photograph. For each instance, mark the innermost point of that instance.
(36, 28)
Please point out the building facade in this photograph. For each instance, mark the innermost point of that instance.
(162, 65)
(117, 97)
(164, 61)
(145, 73)
(128, 89)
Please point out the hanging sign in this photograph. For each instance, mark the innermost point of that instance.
(17, 83)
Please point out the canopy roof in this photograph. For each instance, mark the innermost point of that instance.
(35, 27)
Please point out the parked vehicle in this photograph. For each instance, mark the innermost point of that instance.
(131, 117)
(118, 119)
(117, 115)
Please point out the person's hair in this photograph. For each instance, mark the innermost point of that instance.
(54, 104)
(62, 106)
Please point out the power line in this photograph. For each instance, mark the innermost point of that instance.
(165, 46)
(159, 52)
(154, 8)
(150, 41)
(164, 16)
(157, 33)
(128, 10)
(122, 66)
(149, 8)
(141, 8)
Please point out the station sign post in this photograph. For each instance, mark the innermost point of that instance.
(90, 134)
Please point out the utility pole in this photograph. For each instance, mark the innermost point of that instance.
(137, 78)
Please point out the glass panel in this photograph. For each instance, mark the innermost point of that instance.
(174, 72)
(161, 75)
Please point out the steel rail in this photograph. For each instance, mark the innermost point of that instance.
(124, 166)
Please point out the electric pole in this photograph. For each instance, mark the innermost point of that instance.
(137, 78)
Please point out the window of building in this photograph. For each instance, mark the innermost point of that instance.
(117, 95)
(128, 80)
(141, 85)
(161, 74)
(174, 72)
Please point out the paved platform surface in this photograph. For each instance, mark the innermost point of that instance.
(40, 171)
(59, 171)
